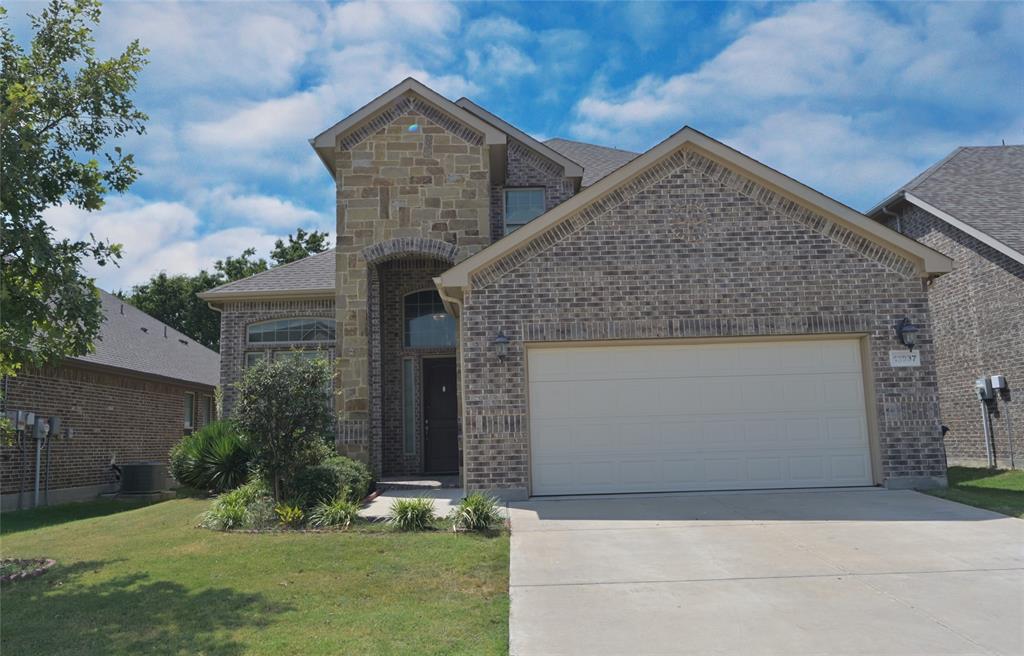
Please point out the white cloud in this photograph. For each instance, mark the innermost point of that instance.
(496, 28)
(262, 210)
(157, 236)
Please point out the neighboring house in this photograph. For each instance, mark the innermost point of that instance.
(131, 400)
(970, 207)
(558, 317)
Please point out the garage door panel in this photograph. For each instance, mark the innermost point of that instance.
(702, 417)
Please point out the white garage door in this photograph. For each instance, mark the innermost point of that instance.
(697, 417)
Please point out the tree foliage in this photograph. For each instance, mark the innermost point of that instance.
(303, 244)
(174, 300)
(60, 109)
(282, 410)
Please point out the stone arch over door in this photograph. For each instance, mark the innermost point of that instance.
(378, 256)
(392, 249)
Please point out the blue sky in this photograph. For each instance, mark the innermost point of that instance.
(852, 99)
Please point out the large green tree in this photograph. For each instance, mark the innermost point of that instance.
(303, 244)
(61, 109)
(175, 301)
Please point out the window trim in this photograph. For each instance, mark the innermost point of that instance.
(455, 333)
(189, 423)
(504, 206)
(328, 340)
(409, 389)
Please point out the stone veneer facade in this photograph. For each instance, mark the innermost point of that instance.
(978, 316)
(102, 406)
(401, 185)
(692, 249)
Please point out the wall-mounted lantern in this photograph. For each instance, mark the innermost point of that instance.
(906, 332)
(501, 345)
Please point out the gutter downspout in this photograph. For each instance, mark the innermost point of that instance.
(888, 212)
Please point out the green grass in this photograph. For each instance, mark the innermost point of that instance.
(1001, 491)
(145, 581)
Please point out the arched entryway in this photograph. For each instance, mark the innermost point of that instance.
(413, 369)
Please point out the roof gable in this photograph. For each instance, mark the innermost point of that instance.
(544, 229)
(325, 142)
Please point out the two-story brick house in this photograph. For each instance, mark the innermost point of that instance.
(584, 319)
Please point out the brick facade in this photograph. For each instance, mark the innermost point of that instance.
(237, 316)
(103, 409)
(692, 249)
(398, 278)
(978, 314)
(526, 168)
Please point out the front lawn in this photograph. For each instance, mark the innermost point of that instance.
(144, 581)
(1001, 491)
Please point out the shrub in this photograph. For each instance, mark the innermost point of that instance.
(476, 512)
(248, 506)
(282, 411)
(335, 476)
(291, 515)
(339, 511)
(412, 514)
(215, 457)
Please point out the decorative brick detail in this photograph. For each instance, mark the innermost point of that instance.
(103, 408)
(688, 159)
(404, 105)
(978, 313)
(409, 246)
(618, 270)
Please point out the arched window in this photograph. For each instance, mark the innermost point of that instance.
(292, 330)
(426, 322)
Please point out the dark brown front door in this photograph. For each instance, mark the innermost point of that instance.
(440, 416)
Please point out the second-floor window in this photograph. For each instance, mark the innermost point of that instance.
(522, 206)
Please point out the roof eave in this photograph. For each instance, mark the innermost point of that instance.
(983, 237)
(215, 297)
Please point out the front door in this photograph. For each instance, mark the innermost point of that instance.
(440, 416)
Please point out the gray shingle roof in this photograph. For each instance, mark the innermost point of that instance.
(309, 275)
(159, 349)
(981, 186)
(597, 161)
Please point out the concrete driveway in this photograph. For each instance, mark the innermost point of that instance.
(864, 571)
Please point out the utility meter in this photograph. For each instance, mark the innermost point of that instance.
(998, 382)
(983, 386)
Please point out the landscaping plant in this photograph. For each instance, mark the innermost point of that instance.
(283, 413)
(338, 512)
(476, 512)
(412, 514)
(290, 514)
(336, 475)
(248, 506)
(215, 457)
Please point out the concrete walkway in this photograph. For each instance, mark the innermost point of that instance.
(865, 571)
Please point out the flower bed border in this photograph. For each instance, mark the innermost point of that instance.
(43, 565)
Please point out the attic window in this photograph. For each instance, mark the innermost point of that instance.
(522, 206)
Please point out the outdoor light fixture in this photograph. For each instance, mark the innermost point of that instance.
(501, 345)
(907, 333)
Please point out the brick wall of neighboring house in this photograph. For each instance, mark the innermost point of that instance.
(693, 250)
(235, 318)
(396, 183)
(978, 314)
(526, 168)
(129, 417)
(398, 278)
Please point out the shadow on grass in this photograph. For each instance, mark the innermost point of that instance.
(16, 521)
(979, 478)
(63, 612)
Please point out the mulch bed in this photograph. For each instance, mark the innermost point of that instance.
(19, 569)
